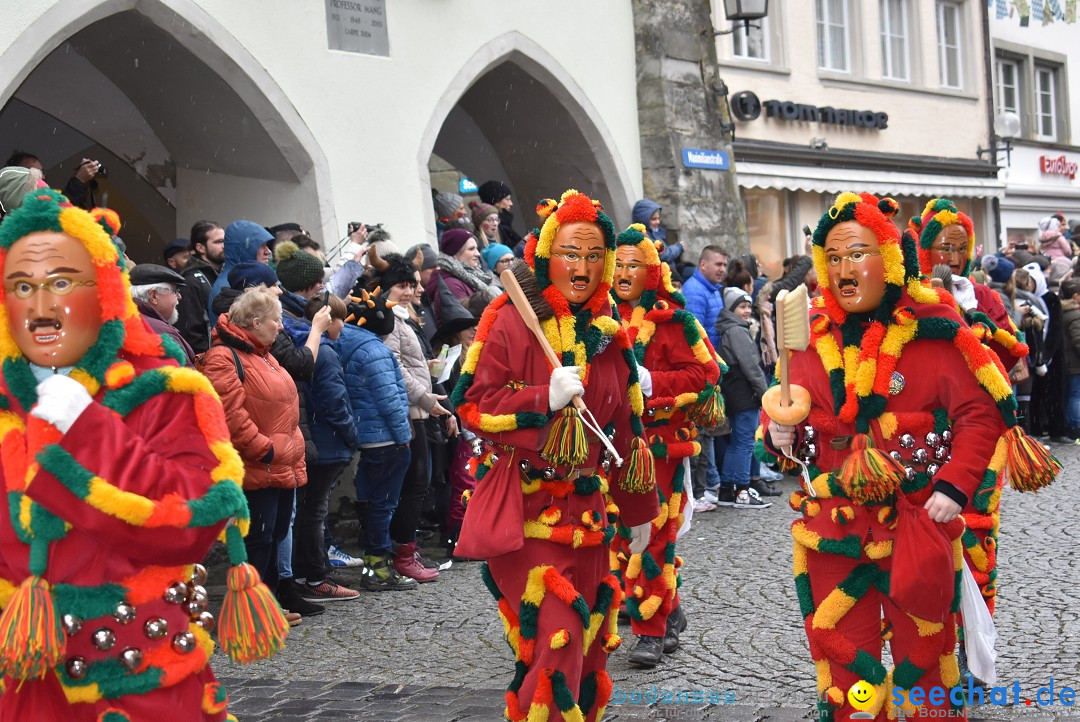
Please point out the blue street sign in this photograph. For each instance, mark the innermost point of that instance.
(466, 186)
(697, 158)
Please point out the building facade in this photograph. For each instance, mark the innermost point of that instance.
(1037, 79)
(321, 112)
(887, 96)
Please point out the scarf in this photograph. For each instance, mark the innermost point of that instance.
(479, 280)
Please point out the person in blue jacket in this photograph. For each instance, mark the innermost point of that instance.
(704, 291)
(380, 411)
(244, 241)
(647, 213)
(335, 437)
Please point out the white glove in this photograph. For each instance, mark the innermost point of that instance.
(60, 401)
(639, 537)
(1040, 370)
(964, 293)
(565, 385)
(645, 379)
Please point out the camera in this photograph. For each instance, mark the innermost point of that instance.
(101, 171)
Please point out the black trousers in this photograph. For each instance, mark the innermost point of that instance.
(413, 490)
(309, 535)
(270, 511)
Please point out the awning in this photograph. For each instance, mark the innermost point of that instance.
(816, 179)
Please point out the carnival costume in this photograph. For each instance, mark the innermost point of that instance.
(107, 510)
(538, 514)
(685, 375)
(884, 433)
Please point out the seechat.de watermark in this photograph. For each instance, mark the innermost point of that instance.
(654, 694)
(935, 702)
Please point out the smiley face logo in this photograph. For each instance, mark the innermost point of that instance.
(861, 695)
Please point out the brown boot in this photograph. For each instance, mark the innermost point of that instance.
(407, 563)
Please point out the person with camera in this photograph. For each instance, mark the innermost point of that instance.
(81, 188)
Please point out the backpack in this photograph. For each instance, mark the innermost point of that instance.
(199, 361)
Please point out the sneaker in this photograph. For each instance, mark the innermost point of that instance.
(768, 475)
(726, 496)
(701, 506)
(763, 488)
(381, 575)
(291, 597)
(339, 558)
(710, 496)
(327, 591)
(749, 499)
(407, 563)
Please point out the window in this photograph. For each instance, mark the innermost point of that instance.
(948, 21)
(751, 43)
(832, 35)
(1045, 113)
(767, 227)
(1006, 87)
(894, 55)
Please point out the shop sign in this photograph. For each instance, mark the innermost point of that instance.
(466, 187)
(745, 106)
(1057, 166)
(357, 26)
(712, 159)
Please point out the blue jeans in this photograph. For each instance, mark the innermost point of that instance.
(708, 449)
(740, 448)
(285, 548)
(378, 481)
(1072, 402)
(270, 510)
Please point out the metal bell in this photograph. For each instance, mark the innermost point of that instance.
(197, 592)
(606, 465)
(947, 436)
(909, 473)
(809, 433)
(104, 639)
(897, 457)
(72, 624)
(76, 667)
(933, 439)
(920, 456)
(206, 621)
(907, 441)
(198, 575)
(193, 608)
(549, 472)
(131, 658)
(176, 593)
(932, 468)
(941, 453)
(184, 642)
(525, 466)
(494, 458)
(125, 613)
(156, 628)
(652, 412)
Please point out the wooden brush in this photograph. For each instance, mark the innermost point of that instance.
(531, 305)
(787, 403)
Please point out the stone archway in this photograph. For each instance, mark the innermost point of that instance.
(191, 125)
(514, 113)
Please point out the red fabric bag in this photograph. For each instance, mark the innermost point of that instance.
(923, 579)
(494, 517)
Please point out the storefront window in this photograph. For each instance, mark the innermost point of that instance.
(767, 224)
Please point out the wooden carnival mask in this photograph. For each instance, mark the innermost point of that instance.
(856, 268)
(631, 273)
(577, 260)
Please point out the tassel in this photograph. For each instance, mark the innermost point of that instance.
(640, 476)
(1030, 466)
(869, 474)
(567, 444)
(708, 410)
(32, 641)
(251, 625)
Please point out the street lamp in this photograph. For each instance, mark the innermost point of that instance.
(1006, 127)
(745, 10)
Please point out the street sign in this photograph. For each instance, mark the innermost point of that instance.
(713, 159)
(467, 187)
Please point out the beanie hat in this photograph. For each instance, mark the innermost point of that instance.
(453, 240)
(734, 296)
(446, 204)
(430, 257)
(250, 274)
(493, 191)
(16, 183)
(999, 268)
(493, 252)
(937, 215)
(480, 211)
(1060, 269)
(297, 269)
(389, 270)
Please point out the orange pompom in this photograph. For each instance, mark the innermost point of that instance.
(108, 218)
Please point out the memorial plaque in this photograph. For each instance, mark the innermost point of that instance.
(357, 26)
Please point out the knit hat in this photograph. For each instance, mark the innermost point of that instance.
(493, 191)
(453, 240)
(480, 211)
(250, 274)
(297, 269)
(430, 257)
(734, 296)
(446, 204)
(493, 252)
(16, 183)
(999, 268)
(1060, 269)
(389, 270)
(937, 215)
(658, 282)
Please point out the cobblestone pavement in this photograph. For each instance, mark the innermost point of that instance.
(436, 654)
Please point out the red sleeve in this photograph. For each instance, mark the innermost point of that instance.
(682, 371)
(157, 450)
(220, 367)
(990, 304)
